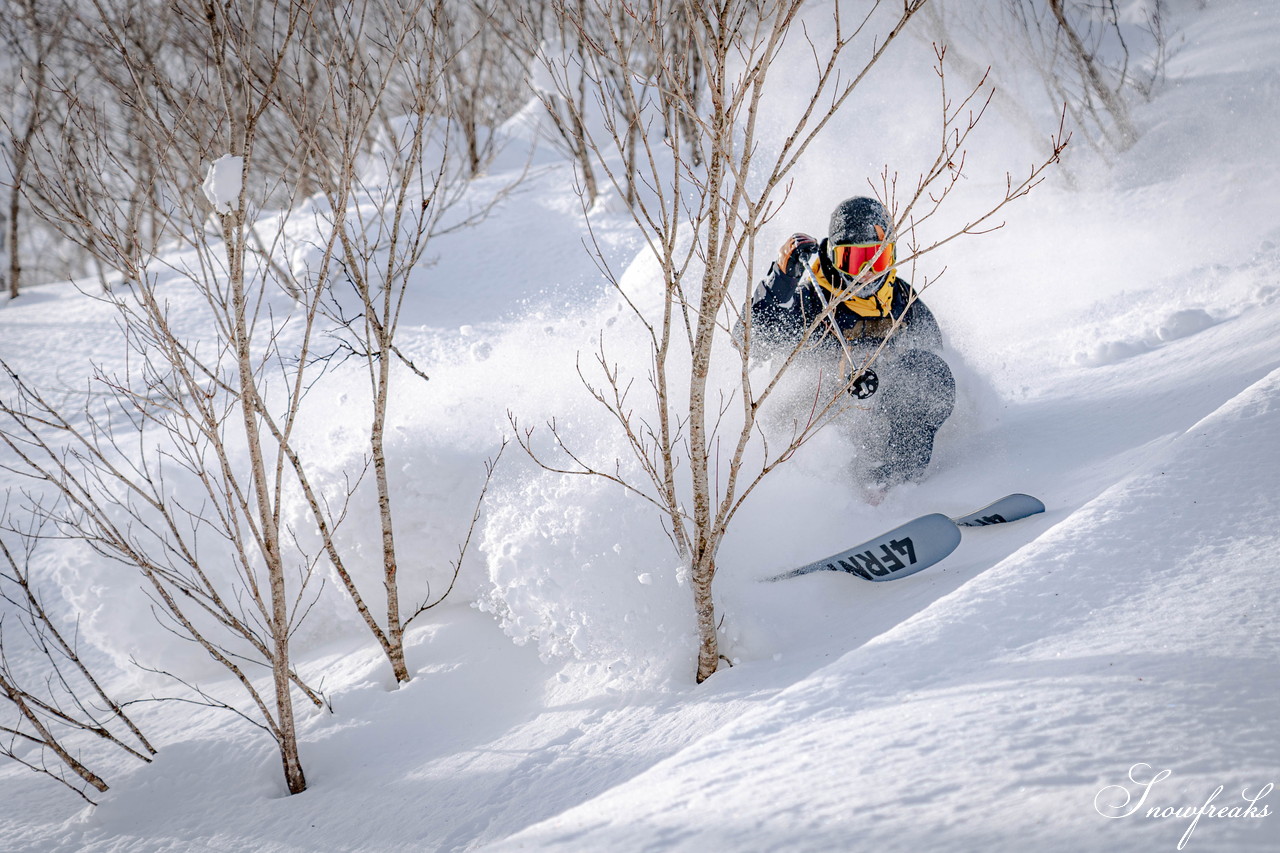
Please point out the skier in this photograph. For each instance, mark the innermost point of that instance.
(908, 390)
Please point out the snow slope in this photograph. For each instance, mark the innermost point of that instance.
(1118, 344)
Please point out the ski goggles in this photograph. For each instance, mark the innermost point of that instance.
(857, 259)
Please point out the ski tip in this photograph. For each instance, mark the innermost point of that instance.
(1036, 504)
(1009, 508)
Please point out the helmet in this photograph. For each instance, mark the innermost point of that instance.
(860, 243)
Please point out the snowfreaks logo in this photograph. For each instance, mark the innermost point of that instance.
(1117, 801)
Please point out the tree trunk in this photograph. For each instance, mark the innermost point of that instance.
(19, 168)
(35, 73)
(293, 775)
(705, 607)
(11, 229)
(706, 536)
(250, 404)
(1111, 100)
(390, 568)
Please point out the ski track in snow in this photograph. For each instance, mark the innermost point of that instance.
(983, 704)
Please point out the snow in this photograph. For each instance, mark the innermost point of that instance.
(1117, 344)
(223, 182)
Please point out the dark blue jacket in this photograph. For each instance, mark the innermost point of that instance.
(788, 298)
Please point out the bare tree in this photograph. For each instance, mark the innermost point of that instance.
(1086, 60)
(363, 94)
(562, 46)
(204, 408)
(483, 83)
(402, 57)
(534, 36)
(67, 699)
(1086, 55)
(30, 32)
(1087, 65)
(701, 216)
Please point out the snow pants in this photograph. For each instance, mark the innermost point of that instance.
(917, 394)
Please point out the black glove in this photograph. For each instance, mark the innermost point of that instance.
(865, 384)
(790, 252)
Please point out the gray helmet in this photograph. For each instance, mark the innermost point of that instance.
(860, 220)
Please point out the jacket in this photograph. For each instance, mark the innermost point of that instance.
(790, 296)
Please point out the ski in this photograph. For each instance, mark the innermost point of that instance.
(902, 551)
(1008, 508)
(918, 544)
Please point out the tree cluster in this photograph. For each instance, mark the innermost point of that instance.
(203, 128)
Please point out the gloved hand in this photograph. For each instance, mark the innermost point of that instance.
(791, 251)
(864, 384)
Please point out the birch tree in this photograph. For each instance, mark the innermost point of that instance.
(200, 412)
(1090, 58)
(692, 78)
(374, 172)
(31, 33)
(383, 141)
(66, 704)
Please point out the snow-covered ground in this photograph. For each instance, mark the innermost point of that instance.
(1118, 347)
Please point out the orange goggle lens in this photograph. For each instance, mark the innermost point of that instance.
(858, 258)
